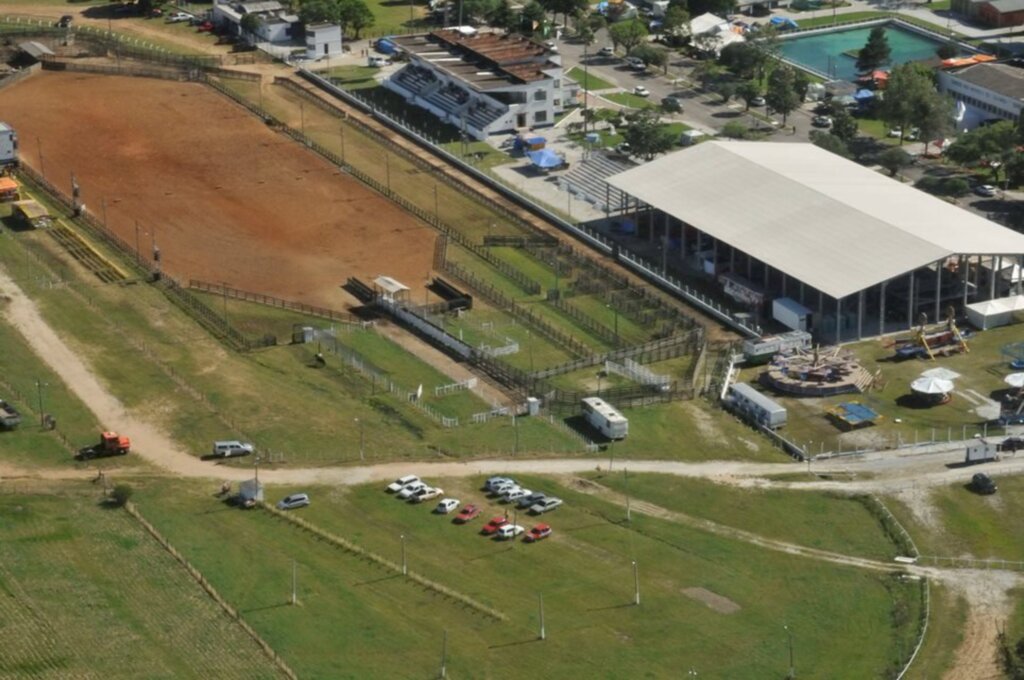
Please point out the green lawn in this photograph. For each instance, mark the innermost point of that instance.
(629, 99)
(945, 633)
(841, 618)
(587, 80)
(88, 593)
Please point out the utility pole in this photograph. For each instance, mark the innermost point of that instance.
(387, 169)
(625, 472)
(42, 166)
(405, 567)
(302, 118)
(636, 584)
(540, 600)
(136, 240)
(792, 667)
(42, 416)
(341, 131)
(295, 599)
(444, 654)
(362, 441)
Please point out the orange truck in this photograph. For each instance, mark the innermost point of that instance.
(111, 444)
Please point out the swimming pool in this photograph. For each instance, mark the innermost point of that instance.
(823, 52)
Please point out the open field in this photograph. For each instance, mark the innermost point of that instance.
(89, 594)
(223, 197)
(708, 603)
(981, 371)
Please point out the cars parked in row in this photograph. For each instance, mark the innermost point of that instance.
(400, 483)
(538, 533)
(296, 500)
(546, 505)
(407, 491)
(822, 121)
(986, 190)
(641, 91)
(425, 494)
(467, 514)
(507, 531)
(606, 51)
(494, 525)
(446, 506)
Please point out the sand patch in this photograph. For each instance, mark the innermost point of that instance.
(720, 604)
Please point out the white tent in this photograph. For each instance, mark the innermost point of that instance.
(993, 313)
(708, 23)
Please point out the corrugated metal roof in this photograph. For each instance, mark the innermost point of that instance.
(821, 219)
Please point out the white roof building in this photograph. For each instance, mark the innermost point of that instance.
(707, 23)
(794, 218)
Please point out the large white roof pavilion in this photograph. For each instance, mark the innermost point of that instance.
(797, 214)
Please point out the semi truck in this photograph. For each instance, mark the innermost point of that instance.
(110, 444)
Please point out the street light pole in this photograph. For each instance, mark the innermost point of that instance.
(42, 416)
(636, 584)
(362, 440)
(405, 568)
(792, 667)
(540, 599)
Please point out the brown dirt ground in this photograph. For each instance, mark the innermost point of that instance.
(225, 198)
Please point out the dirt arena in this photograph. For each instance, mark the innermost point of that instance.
(225, 199)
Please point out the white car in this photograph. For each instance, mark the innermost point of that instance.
(515, 494)
(502, 488)
(495, 481)
(398, 484)
(606, 51)
(986, 190)
(296, 500)
(446, 505)
(531, 500)
(509, 531)
(636, 63)
(179, 17)
(409, 489)
(641, 91)
(550, 44)
(546, 505)
(426, 494)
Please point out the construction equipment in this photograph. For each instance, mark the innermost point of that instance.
(111, 444)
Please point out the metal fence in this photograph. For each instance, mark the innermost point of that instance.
(271, 301)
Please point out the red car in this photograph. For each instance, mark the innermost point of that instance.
(539, 532)
(466, 514)
(492, 527)
(205, 27)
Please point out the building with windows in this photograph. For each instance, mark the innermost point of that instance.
(863, 254)
(988, 91)
(483, 83)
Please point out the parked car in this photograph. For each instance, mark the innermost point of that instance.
(539, 532)
(377, 62)
(296, 500)
(636, 63)
(179, 17)
(758, 101)
(492, 527)
(502, 488)
(426, 494)
(205, 27)
(398, 484)
(983, 484)
(514, 495)
(1012, 444)
(228, 449)
(822, 121)
(446, 506)
(406, 492)
(550, 44)
(532, 499)
(509, 531)
(495, 481)
(896, 132)
(65, 21)
(986, 190)
(467, 514)
(606, 51)
(546, 505)
(641, 91)
(672, 104)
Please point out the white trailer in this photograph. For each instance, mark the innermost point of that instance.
(791, 313)
(981, 451)
(8, 145)
(605, 418)
(756, 407)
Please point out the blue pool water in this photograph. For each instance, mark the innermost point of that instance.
(823, 52)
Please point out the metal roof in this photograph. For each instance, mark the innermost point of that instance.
(829, 222)
(1002, 79)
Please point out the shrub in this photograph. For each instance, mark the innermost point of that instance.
(121, 494)
(734, 130)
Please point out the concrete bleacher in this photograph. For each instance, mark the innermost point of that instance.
(414, 79)
(482, 114)
(586, 180)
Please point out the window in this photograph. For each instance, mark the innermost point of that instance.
(540, 95)
(558, 84)
(540, 117)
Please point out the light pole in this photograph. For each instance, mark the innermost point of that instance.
(792, 667)
(362, 440)
(42, 167)
(586, 84)
(405, 568)
(636, 584)
(295, 599)
(540, 600)
(42, 416)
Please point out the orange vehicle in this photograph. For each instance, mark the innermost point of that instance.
(111, 444)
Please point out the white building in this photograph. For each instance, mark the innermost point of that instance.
(323, 41)
(8, 145)
(483, 83)
(276, 24)
(988, 91)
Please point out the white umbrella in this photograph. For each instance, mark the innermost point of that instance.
(932, 386)
(940, 372)
(1015, 380)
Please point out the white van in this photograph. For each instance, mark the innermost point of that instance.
(227, 449)
(377, 62)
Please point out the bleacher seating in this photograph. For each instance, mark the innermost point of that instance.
(414, 79)
(586, 180)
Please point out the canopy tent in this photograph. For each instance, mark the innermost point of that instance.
(993, 313)
(940, 372)
(545, 159)
(1015, 380)
(863, 95)
(783, 22)
(926, 385)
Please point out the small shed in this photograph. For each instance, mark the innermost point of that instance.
(323, 41)
(33, 213)
(994, 313)
(250, 491)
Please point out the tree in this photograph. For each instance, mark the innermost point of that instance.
(748, 91)
(650, 55)
(646, 136)
(250, 24)
(564, 7)
(948, 50)
(993, 146)
(894, 159)
(676, 25)
(844, 125)
(765, 38)
(629, 33)
(313, 12)
(734, 130)
(801, 83)
(911, 100)
(830, 142)
(708, 73)
(720, 7)
(742, 58)
(121, 494)
(532, 17)
(504, 17)
(781, 94)
(355, 15)
(726, 91)
(875, 53)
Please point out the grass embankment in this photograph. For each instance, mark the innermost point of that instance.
(842, 618)
(587, 80)
(87, 593)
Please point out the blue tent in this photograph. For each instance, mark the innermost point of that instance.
(545, 159)
(863, 95)
(783, 22)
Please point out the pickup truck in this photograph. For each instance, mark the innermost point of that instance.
(9, 416)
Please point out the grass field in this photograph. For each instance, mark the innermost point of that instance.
(842, 619)
(945, 633)
(88, 593)
(587, 80)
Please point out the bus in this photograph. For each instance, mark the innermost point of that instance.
(605, 418)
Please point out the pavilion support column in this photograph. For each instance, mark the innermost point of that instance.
(682, 241)
(977, 280)
(821, 307)
(938, 290)
(765, 276)
(860, 315)
(881, 309)
(750, 268)
(965, 271)
(714, 255)
(999, 271)
(732, 259)
(910, 301)
(650, 220)
(802, 293)
(992, 278)
(839, 320)
(607, 197)
(783, 284)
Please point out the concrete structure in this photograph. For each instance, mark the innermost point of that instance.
(483, 83)
(990, 90)
(867, 254)
(276, 24)
(323, 41)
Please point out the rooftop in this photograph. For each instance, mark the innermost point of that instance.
(1002, 79)
(824, 220)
